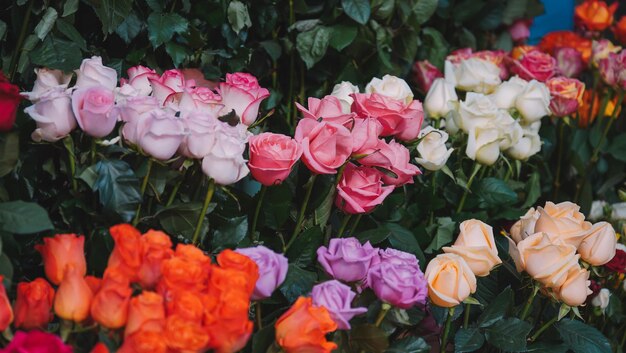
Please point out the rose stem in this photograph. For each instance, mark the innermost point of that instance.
(344, 223)
(144, 185)
(92, 151)
(557, 178)
(205, 206)
(529, 302)
(257, 314)
(469, 185)
(468, 308)
(256, 213)
(69, 146)
(543, 328)
(446, 330)
(381, 315)
(356, 222)
(307, 196)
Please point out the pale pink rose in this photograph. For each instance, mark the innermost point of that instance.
(225, 163)
(169, 83)
(326, 146)
(360, 190)
(395, 158)
(93, 73)
(160, 134)
(424, 74)
(397, 118)
(53, 114)
(613, 69)
(272, 156)
(197, 98)
(201, 130)
(241, 92)
(328, 109)
(365, 134)
(47, 79)
(520, 30)
(131, 113)
(93, 110)
(569, 61)
(139, 77)
(535, 65)
(195, 75)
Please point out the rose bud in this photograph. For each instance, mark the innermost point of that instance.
(73, 299)
(533, 102)
(433, 153)
(54, 116)
(37, 342)
(569, 61)
(33, 304)
(343, 91)
(47, 80)
(146, 312)
(425, 74)
(476, 246)
(272, 157)
(109, 307)
(92, 73)
(440, 99)
(303, 328)
(450, 280)
(9, 100)
(337, 298)
(392, 87)
(575, 290)
(594, 15)
(225, 163)
(598, 247)
(160, 134)
(241, 92)
(566, 95)
(59, 252)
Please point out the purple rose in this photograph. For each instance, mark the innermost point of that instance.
(337, 298)
(272, 270)
(397, 279)
(346, 259)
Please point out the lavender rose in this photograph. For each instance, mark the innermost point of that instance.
(272, 270)
(346, 259)
(337, 298)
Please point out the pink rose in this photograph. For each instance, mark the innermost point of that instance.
(519, 30)
(360, 190)
(53, 114)
(93, 110)
(93, 73)
(47, 80)
(272, 156)
(36, 342)
(201, 134)
(325, 146)
(424, 74)
(535, 65)
(459, 55)
(394, 157)
(566, 95)
(171, 82)
(613, 69)
(365, 135)
(131, 113)
(397, 118)
(139, 78)
(225, 163)
(327, 109)
(241, 92)
(160, 134)
(569, 61)
(196, 98)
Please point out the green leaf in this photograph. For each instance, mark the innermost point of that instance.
(162, 27)
(276, 206)
(272, 48)
(435, 45)
(497, 309)
(155, 5)
(130, 28)
(468, 340)
(9, 152)
(582, 338)
(545, 347)
(533, 190)
(57, 54)
(444, 235)
(230, 233)
(70, 7)
(617, 149)
(238, 16)
(504, 41)
(3, 29)
(515, 9)
(298, 282)
(263, 338)
(342, 35)
(509, 334)
(404, 239)
(423, 10)
(6, 267)
(181, 219)
(495, 192)
(118, 188)
(358, 10)
(71, 33)
(409, 344)
(45, 24)
(374, 236)
(368, 338)
(177, 52)
(21, 217)
(111, 12)
(312, 45)
(303, 252)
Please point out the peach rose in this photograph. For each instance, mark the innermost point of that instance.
(598, 247)
(73, 298)
(450, 280)
(476, 246)
(575, 290)
(562, 220)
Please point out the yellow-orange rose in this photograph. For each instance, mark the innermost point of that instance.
(450, 280)
(575, 290)
(598, 247)
(476, 246)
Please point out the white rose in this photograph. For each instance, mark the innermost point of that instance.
(473, 74)
(601, 300)
(93, 73)
(476, 110)
(225, 162)
(483, 145)
(618, 211)
(526, 147)
(534, 101)
(452, 122)
(47, 80)
(432, 149)
(392, 87)
(343, 91)
(510, 130)
(505, 95)
(597, 210)
(440, 98)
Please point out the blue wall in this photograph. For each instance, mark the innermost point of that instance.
(558, 16)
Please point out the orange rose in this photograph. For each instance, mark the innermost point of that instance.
(188, 269)
(144, 342)
(157, 247)
(594, 15)
(146, 312)
(226, 316)
(74, 296)
(185, 335)
(187, 305)
(620, 30)
(6, 312)
(587, 115)
(127, 251)
(232, 260)
(568, 39)
(94, 283)
(109, 307)
(100, 348)
(303, 328)
(62, 250)
(33, 304)
(230, 335)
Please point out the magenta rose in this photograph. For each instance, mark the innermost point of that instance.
(360, 190)
(92, 73)
(53, 114)
(241, 92)
(569, 61)
(337, 298)
(272, 156)
(160, 134)
(325, 146)
(93, 110)
(424, 74)
(132, 111)
(613, 69)
(201, 134)
(365, 135)
(272, 270)
(328, 109)
(36, 342)
(397, 118)
(398, 280)
(346, 259)
(139, 78)
(535, 65)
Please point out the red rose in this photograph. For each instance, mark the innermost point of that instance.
(618, 262)
(9, 100)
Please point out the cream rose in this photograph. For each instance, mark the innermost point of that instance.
(476, 110)
(432, 149)
(473, 74)
(510, 130)
(575, 290)
(598, 246)
(440, 99)
(343, 91)
(527, 146)
(483, 145)
(450, 280)
(392, 87)
(476, 246)
(533, 102)
(505, 95)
